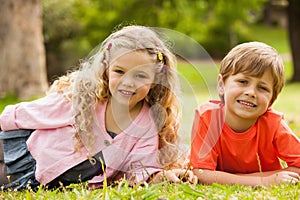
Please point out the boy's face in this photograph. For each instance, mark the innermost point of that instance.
(246, 98)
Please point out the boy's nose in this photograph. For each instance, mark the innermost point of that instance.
(250, 91)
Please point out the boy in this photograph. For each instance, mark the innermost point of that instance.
(240, 139)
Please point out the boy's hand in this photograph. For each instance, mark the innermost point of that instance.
(281, 177)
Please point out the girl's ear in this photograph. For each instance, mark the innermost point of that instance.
(220, 86)
(107, 72)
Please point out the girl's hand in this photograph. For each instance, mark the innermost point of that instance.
(281, 177)
(176, 176)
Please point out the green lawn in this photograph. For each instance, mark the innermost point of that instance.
(274, 36)
(162, 191)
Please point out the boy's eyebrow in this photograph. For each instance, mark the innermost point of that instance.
(261, 81)
(266, 83)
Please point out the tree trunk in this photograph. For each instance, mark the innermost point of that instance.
(294, 35)
(22, 52)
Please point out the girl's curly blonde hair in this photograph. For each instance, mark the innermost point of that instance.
(89, 85)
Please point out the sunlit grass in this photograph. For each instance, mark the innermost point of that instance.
(122, 190)
(8, 99)
(274, 36)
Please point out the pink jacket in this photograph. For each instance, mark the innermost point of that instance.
(132, 152)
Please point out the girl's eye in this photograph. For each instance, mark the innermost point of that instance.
(118, 71)
(142, 76)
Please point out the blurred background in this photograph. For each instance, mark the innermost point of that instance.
(42, 39)
(60, 32)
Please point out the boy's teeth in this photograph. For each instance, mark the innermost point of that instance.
(247, 103)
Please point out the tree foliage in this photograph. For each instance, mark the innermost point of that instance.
(80, 25)
(227, 23)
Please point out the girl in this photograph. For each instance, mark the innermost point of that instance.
(117, 116)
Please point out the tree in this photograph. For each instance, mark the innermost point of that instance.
(293, 11)
(22, 53)
(83, 24)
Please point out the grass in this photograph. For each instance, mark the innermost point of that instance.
(164, 190)
(8, 99)
(198, 85)
(274, 36)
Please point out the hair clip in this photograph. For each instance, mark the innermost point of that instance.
(108, 46)
(160, 56)
(164, 69)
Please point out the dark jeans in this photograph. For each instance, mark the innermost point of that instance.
(20, 165)
(80, 173)
(3, 174)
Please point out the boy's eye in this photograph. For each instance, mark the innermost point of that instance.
(243, 82)
(263, 88)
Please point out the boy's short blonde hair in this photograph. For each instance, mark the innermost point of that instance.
(253, 59)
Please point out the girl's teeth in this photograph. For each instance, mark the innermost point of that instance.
(127, 93)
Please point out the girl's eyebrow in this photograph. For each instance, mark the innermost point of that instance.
(119, 67)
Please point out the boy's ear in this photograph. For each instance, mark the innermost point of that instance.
(220, 86)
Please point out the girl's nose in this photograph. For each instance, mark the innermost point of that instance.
(128, 81)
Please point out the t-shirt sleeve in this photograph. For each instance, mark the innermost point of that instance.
(287, 145)
(203, 154)
(51, 111)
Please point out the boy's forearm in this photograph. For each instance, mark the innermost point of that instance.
(293, 169)
(287, 175)
(212, 176)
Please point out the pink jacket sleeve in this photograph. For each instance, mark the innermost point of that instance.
(143, 160)
(51, 111)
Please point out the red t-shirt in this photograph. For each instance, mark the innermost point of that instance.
(216, 146)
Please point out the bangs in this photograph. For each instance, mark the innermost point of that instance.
(254, 66)
(250, 68)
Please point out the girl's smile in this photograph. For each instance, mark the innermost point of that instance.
(126, 93)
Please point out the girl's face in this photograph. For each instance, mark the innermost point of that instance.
(130, 77)
(246, 98)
